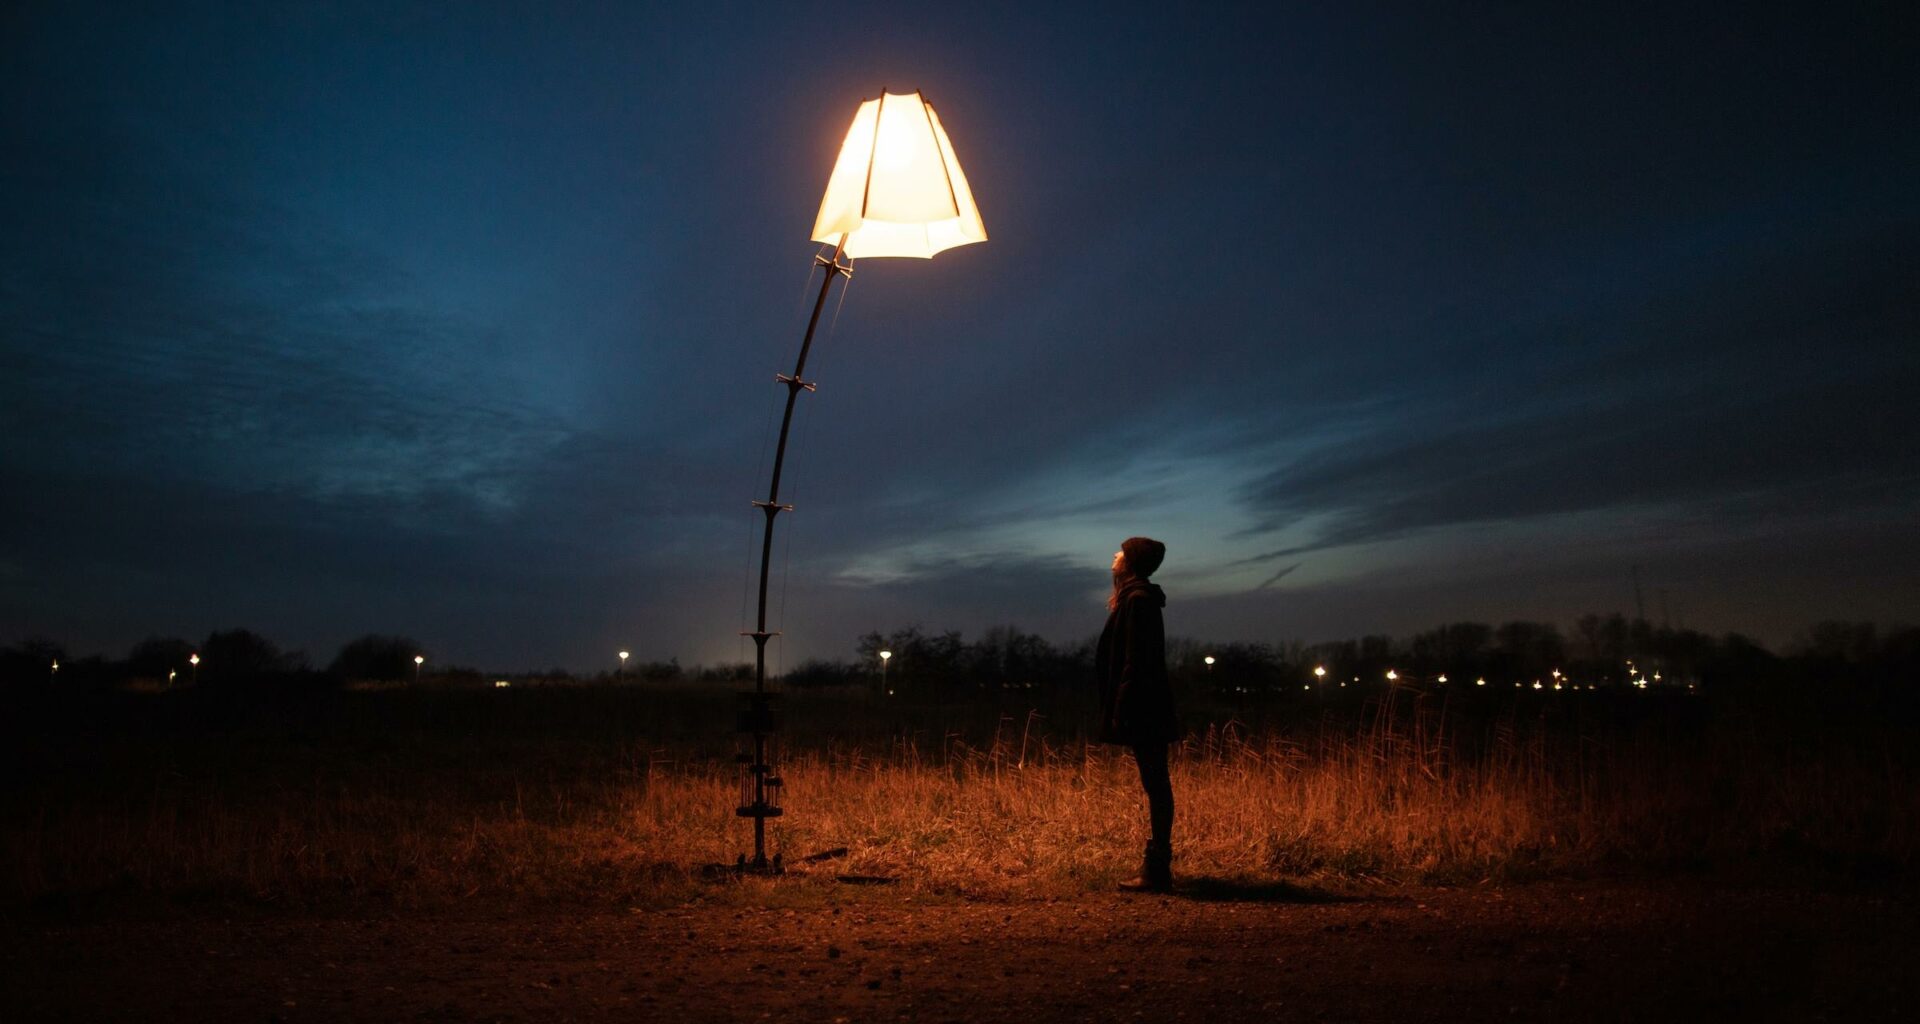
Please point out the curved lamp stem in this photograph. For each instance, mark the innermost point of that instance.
(758, 800)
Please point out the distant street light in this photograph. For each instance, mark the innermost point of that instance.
(1392, 675)
(418, 660)
(170, 674)
(1209, 660)
(56, 668)
(885, 656)
(194, 660)
(624, 655)
(1443, 678)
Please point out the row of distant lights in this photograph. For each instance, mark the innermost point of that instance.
(1639, 680)
(1560, 682)
(502, 684)
(194, 660)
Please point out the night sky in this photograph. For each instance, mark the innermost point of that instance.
(461, 322)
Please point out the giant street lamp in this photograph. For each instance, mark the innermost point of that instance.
(885, 657)
(896, 190)
(194, 660)
(418, 660)
(624, 655)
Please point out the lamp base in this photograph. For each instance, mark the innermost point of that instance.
(743, 867)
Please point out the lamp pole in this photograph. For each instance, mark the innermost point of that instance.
(418, 660)
(759, 716)
(194, 660)
(885, 657)
(895, 190)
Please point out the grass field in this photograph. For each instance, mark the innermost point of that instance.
(619, 794)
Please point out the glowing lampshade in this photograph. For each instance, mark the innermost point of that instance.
(897, 189)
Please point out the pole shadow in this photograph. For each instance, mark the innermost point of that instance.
(1208, 889)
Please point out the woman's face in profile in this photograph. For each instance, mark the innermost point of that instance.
(1119, 560)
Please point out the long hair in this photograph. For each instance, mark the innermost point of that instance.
(1121, 577)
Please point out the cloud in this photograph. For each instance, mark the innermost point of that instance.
(425, 318)
(188, 332)
(1687, 408)
(1278, 576)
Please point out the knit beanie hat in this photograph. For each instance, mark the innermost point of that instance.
(1144, 555)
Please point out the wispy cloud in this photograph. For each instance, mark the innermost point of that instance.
(1687, 408)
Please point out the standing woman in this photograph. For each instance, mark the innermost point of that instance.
(1136, 702)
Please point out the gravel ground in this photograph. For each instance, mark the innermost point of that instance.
(1214, 952)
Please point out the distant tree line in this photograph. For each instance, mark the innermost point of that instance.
(1608, 651)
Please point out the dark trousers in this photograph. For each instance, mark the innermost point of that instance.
(1152, 759)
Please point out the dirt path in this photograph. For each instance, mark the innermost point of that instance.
(1583, 951)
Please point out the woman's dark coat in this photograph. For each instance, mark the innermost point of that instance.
(1130, 665)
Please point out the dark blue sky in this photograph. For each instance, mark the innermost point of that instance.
(461, 322)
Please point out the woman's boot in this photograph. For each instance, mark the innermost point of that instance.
(1156, 870)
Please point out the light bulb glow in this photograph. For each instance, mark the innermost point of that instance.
(897, 188)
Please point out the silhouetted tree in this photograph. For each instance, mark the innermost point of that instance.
(238, 657)
(741, 671)
(1459, 647)
(1006, 658)
(155, 656)
(1856, 643)
(1527, 650)
(376, 656)
(30, 662)
(661, 671)
(816, 672)
(932, 664)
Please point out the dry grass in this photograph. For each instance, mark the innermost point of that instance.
(420, 799)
